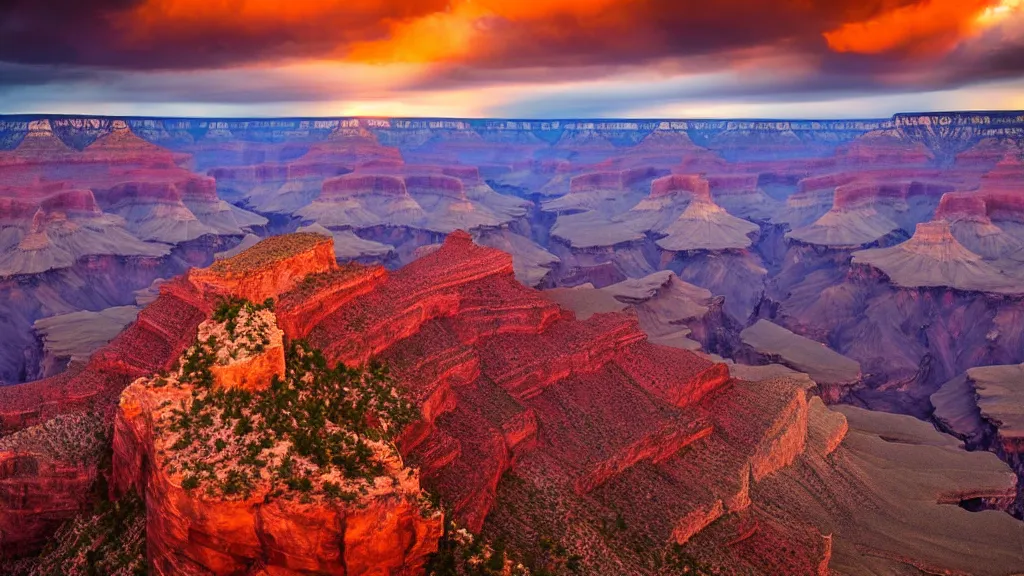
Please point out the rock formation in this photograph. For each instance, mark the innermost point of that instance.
(46, 474)
(65, 228)
(933, 257)
(72, 338)
(251, 515)
(706, 226)
(670, 311)
(983, 407)
(428, 198)
(270, 268)
(831, 371)
(532, 423)
(970, 223)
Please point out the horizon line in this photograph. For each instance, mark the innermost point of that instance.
(513, 119)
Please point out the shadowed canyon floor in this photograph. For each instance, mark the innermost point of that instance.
(656, 404)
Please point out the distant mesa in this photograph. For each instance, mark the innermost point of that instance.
(865, 212)
(39, 144)
(678, 209)
(695, 185)
(885, 147)
(968, 214)
(607, 193)
(706, 226)
(64, 228)
(850, 228)
(425, 199)
(934, 258)
(1007, 174)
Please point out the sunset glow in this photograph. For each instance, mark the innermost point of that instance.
(924, 28)
(505, 57)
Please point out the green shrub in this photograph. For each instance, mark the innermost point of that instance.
(329, 415)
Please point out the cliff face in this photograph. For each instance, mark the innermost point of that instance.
(982, 407)
(189, 532)
(46, 473)
(269, 269)
(270, 509)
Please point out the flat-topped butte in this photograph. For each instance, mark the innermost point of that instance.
(268, 252)
(269, 269)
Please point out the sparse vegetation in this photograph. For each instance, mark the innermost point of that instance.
(678, 561)
(267, 252)
(460, 553)
(71, 438)
(318, 432)
(315, 283)
(234, 313)
(111, 541)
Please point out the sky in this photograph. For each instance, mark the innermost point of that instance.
(511, 58)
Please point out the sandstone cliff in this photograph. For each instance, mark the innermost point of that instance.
(236, 472)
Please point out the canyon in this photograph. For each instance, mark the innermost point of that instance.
(751, 347)
(530, 424)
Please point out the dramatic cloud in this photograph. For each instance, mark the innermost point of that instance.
(408, 52)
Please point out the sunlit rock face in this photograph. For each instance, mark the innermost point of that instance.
(532, 422)
(268, 269)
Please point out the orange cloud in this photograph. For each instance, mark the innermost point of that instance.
(461, 31)
(477, 42)
(301, 26)
(925, 28)
(439, 36)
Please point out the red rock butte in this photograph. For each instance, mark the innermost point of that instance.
(870, 193)
(612, 180)
(962, 206)
(268, 269)
(440, 185)
(694, 184)
(351, 184)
